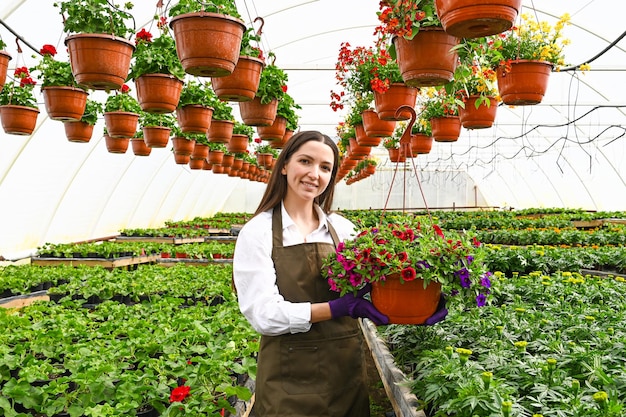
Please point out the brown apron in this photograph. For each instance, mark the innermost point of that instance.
(318, 373)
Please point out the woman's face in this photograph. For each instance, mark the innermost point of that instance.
(309, 170)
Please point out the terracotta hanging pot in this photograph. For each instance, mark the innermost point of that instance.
(227, 160)
(476, 18)
(116, 145)
(65, 103)
(427, 59)
(390, 101)
(183, 146)
(523, 82)
(406, 302)
(238, 143)
(207, 44)
(220, 131)
(396, 155)
(194, 118)
(217, 169)
(376, 127)
(180, 159)
(200, 151)
(421, 144)
(237, 164)
(446, 129)
(196, 163)
(99, 62)
(243, 83)
(206, 166)
(255, 113)
(158, 93)
(274, 132)
(481, 117)
(121, 124)
(156, 136)
(264, 159)
(18, 120)
(139, 147)
(362, 139)
(215, 157)
(4, 65)
(359, 150)
(77, 131)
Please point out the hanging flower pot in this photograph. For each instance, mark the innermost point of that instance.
(255, 113)
(4, 65)
(217, 169)
(362, 139)
(156, 136)
(194, 118)
(427, 59)
(183, 146)
(77, 131)
(196, 163)
(121, 124)
(116, 145)
(180, 159)
(523, 82)
(215, 157)
(479, 116)
(220, 131)
(139, 147)
(238, 143)
(474, 19)
(359, 150)
(275, 131)
(200, 151)
(237, 163)
(405, 302)
(18, 120)
(242, 84)
(390, 101)
(375, 127)
(227, 160)
(158, 93)
(65, 103)
(99, 62)
(264, 159)
(396, 155)
(446, 129)
(421, 144)
(207, 44)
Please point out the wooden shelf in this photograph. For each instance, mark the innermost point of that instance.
(128, 261)
(161, 239)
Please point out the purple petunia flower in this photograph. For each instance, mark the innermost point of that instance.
(464, 277)
(485, 281)
(481, 300)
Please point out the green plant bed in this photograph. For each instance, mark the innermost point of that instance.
(548, 345)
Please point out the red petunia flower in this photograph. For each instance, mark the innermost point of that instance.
(125, 89)
(179, 393)
(438, 231)
(408, 274)
(284, 87)
(48, 50)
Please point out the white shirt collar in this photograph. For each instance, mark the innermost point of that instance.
(288, 222)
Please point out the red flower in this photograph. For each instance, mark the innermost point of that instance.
(143, 35)
(403, 256)
(48, 50)
(179, 393)
(475, 242)
(162, 22)
(284, 87)
(257, 140)
(125, 89)
(438, 231)
(27, 81)
(21, 72)
(408, 274)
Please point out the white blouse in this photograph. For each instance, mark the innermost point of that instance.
(255, 277)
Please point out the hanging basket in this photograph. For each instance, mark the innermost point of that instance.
(421, 144)
(396, 155)
(220, 131)
(375, 127)
(139, 147)
(156, 136)
(4, 65)
(77, 131)
(194, 118)
(477, 18)
(362, 139)
(207, 44)
(183, 146)
(99, 62)
(523, 82)
(215, 157)
(238, 143)
(121, 124)
(274, 132)
(427, 60)
(65, 103)
(180, 159)
(158, 93)
(243, 83)
(18, 120)
(200, 151)
(116, 145)
(255, 113)
(446, 129)
(390, 101)
(406, 302)
(481, 117)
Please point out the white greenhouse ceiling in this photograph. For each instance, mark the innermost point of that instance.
(567, 151)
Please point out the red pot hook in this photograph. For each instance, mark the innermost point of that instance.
(260, 30)
(19, 48)
(406, 136)
(159, 4)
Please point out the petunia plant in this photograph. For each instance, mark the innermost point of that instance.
(411, 248)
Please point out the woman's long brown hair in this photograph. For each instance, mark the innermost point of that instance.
(277, 184)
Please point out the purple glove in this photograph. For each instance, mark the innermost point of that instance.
(357, 306)
(439, 314)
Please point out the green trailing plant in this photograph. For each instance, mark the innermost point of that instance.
(155, 56)
(220, 147)
(227, 7)
(54, 73)
(287, 108)
(96, 16)
(19, 92)
(156, 119)
(122, 101)
(247, 46)
(196, 92)
(93, 109)
(273, 83)
(243, 129)
(441, 102)
(222, 110)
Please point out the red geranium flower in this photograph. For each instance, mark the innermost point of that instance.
(179, 393)
(143, 35)
(48, 50)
